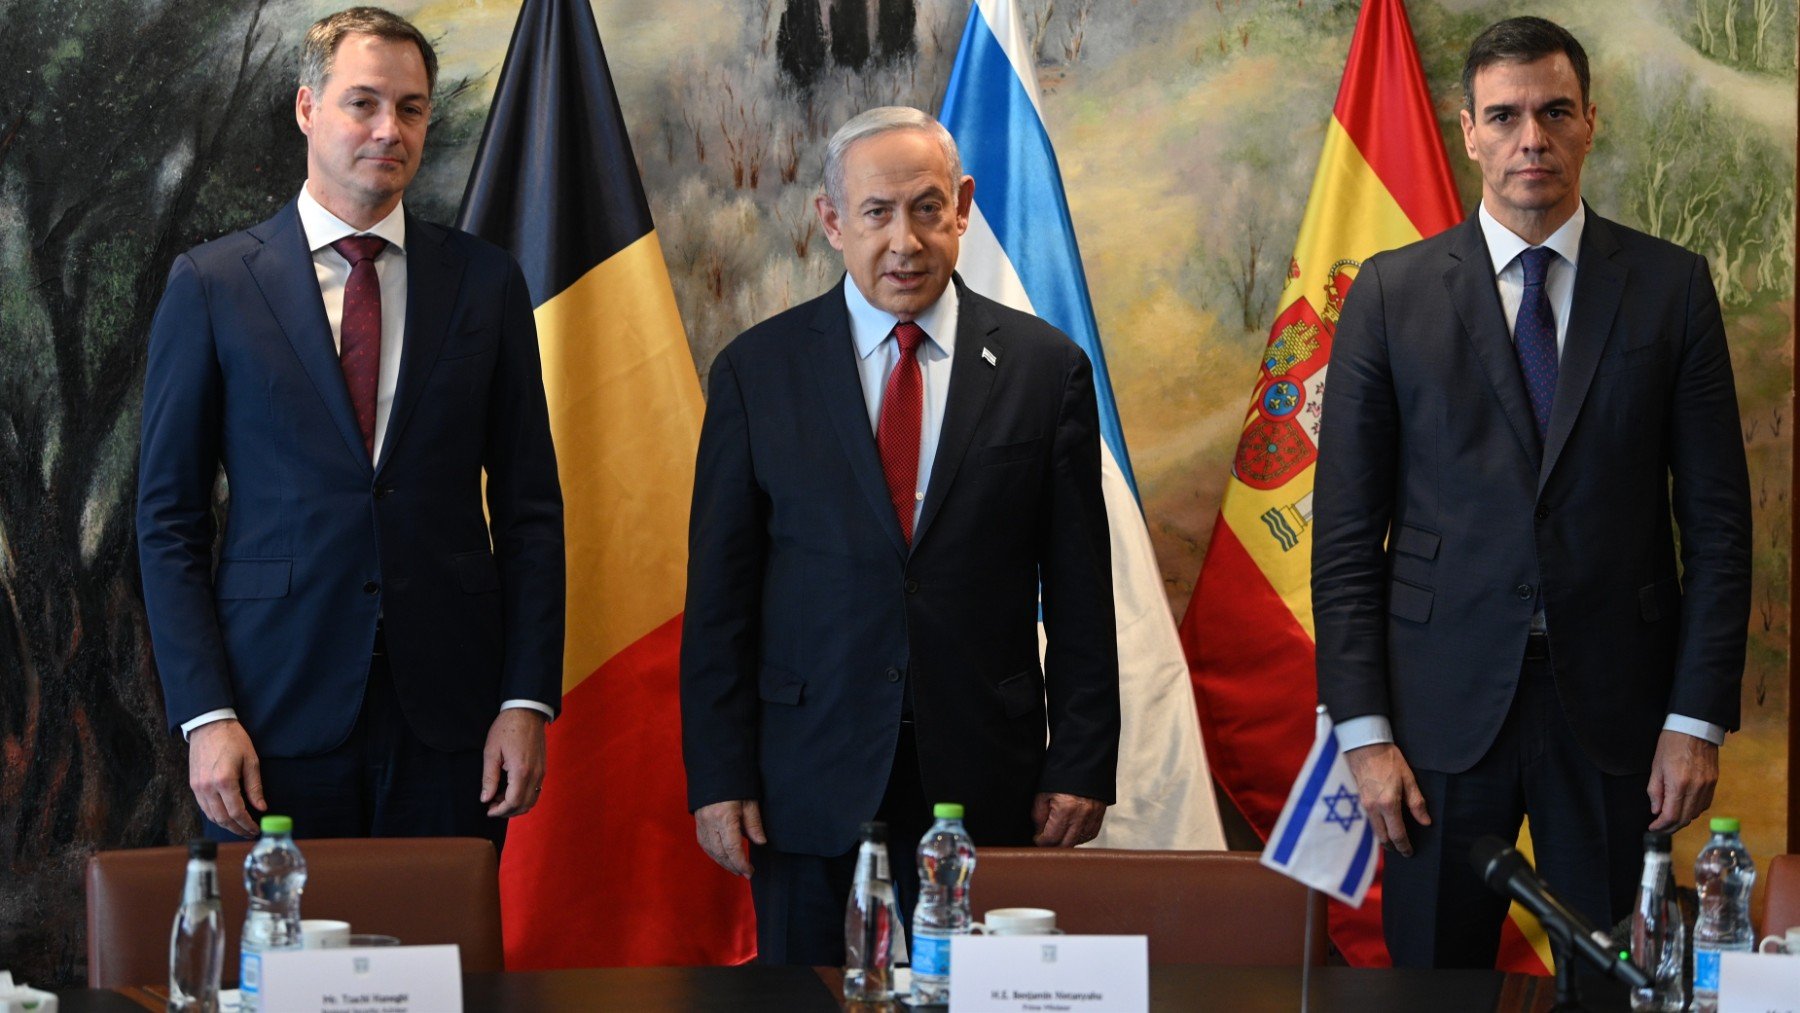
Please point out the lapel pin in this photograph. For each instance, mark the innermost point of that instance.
(988, 354)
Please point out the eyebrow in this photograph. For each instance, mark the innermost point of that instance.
(1563, 102)
(363, 89)
(930, 192)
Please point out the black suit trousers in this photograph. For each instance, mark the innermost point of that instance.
(1587, 831)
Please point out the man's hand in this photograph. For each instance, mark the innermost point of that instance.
(515, 744)
(721, 828)
(1682, 777)
(223, 771)
(1386, 783)
(1063, 821)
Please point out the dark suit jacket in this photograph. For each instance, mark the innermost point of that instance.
(318, 542)
(1440, 519)
(807, 614)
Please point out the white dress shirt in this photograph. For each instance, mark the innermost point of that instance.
(1504, 247)
(877, 351)
(323, 228)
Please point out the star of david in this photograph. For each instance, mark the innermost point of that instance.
(1349, 815)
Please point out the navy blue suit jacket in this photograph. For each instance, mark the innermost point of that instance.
(807, 614)
(1441, 520)
(318, 541)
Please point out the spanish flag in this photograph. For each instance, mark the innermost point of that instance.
(1382, 182)
(605, 871)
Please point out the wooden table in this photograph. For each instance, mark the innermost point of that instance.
(1174, 988)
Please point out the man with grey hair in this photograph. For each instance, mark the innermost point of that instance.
(887, 477)
(370, 654)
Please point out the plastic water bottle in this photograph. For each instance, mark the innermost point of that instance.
(197, 940)
(1656, 933)
(274, 877)
(870, 922)
(946, 864)
(1723, 874)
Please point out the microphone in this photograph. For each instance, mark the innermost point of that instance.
(1507, 873)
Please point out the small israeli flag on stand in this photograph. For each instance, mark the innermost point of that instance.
(1323, 839)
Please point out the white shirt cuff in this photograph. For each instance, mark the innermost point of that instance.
(222, 714)
(1368, 730)
(1697, 728)
(533, 705)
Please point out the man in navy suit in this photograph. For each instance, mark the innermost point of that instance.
(1521, 412)
(887, 476)
(369, 653)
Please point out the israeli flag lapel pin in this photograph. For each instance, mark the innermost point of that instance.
(988, 354)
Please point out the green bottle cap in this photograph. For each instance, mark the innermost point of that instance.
(947, 811)
(277, 824)
(1724, 825)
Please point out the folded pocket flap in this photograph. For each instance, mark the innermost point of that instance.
(1416, 542)
(778, 685)
(1409, 601)
(1021, 694)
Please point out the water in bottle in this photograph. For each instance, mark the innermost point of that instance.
(1723, 875)
(946, 865)
(197, 941)
(870, 922)
(1656, 933)
(274, 876)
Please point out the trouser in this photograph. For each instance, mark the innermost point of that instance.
(1587, 830)
(382, 781)
(800, 899)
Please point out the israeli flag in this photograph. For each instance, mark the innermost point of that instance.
(1020, 250)
(1322, 838)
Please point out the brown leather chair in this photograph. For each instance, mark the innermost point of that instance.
(1197, 907)
(419, 889)
(1781, 905)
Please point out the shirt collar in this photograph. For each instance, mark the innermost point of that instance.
(1504, 245)
(324, 228)
(869, 326)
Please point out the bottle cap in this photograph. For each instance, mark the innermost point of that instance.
(1724, 825)
(947, 811)
(875, 831)
(1657, 842)
(208, 850)
(277, 824)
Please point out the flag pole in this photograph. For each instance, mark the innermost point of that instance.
(1306, 952)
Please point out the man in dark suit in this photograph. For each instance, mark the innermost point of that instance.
(1515, 407)
(887, 475)
(369, 654)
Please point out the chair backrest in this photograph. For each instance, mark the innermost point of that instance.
(418, 889)
(1197, 907)
(1781, 905)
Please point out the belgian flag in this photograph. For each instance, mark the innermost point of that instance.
(605, 871)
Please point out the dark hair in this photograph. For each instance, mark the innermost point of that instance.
(319, 50)
(1522, 40)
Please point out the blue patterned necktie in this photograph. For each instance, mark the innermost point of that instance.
(1534, 336)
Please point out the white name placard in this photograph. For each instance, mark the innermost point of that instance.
(370, 979)
(1759, 983)
(1049, 974)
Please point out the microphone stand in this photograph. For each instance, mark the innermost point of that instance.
(1568, 992)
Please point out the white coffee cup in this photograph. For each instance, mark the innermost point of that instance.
(1788, 943)
(1018, 921)
(323, 934)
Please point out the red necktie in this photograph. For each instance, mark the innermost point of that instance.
(897, 434)
(359, 333)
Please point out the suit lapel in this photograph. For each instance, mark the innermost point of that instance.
(1599, 287)
(433, 276)
(832, 360)
(971, 380)
(282, 268)
(1470, 280)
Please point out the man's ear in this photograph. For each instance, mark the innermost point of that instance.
(304, 107)
(828, 218)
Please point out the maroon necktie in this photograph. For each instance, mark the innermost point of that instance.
(359, 334)
(897, 434)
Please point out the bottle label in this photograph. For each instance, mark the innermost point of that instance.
(1706, 970)
(250, 973)
(930, 955)
(1656, 868)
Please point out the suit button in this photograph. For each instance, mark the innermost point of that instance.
(1543, 512)
(370, 587)
(893, 675)
(912, 586)
(382, 493)
(1524, 592)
